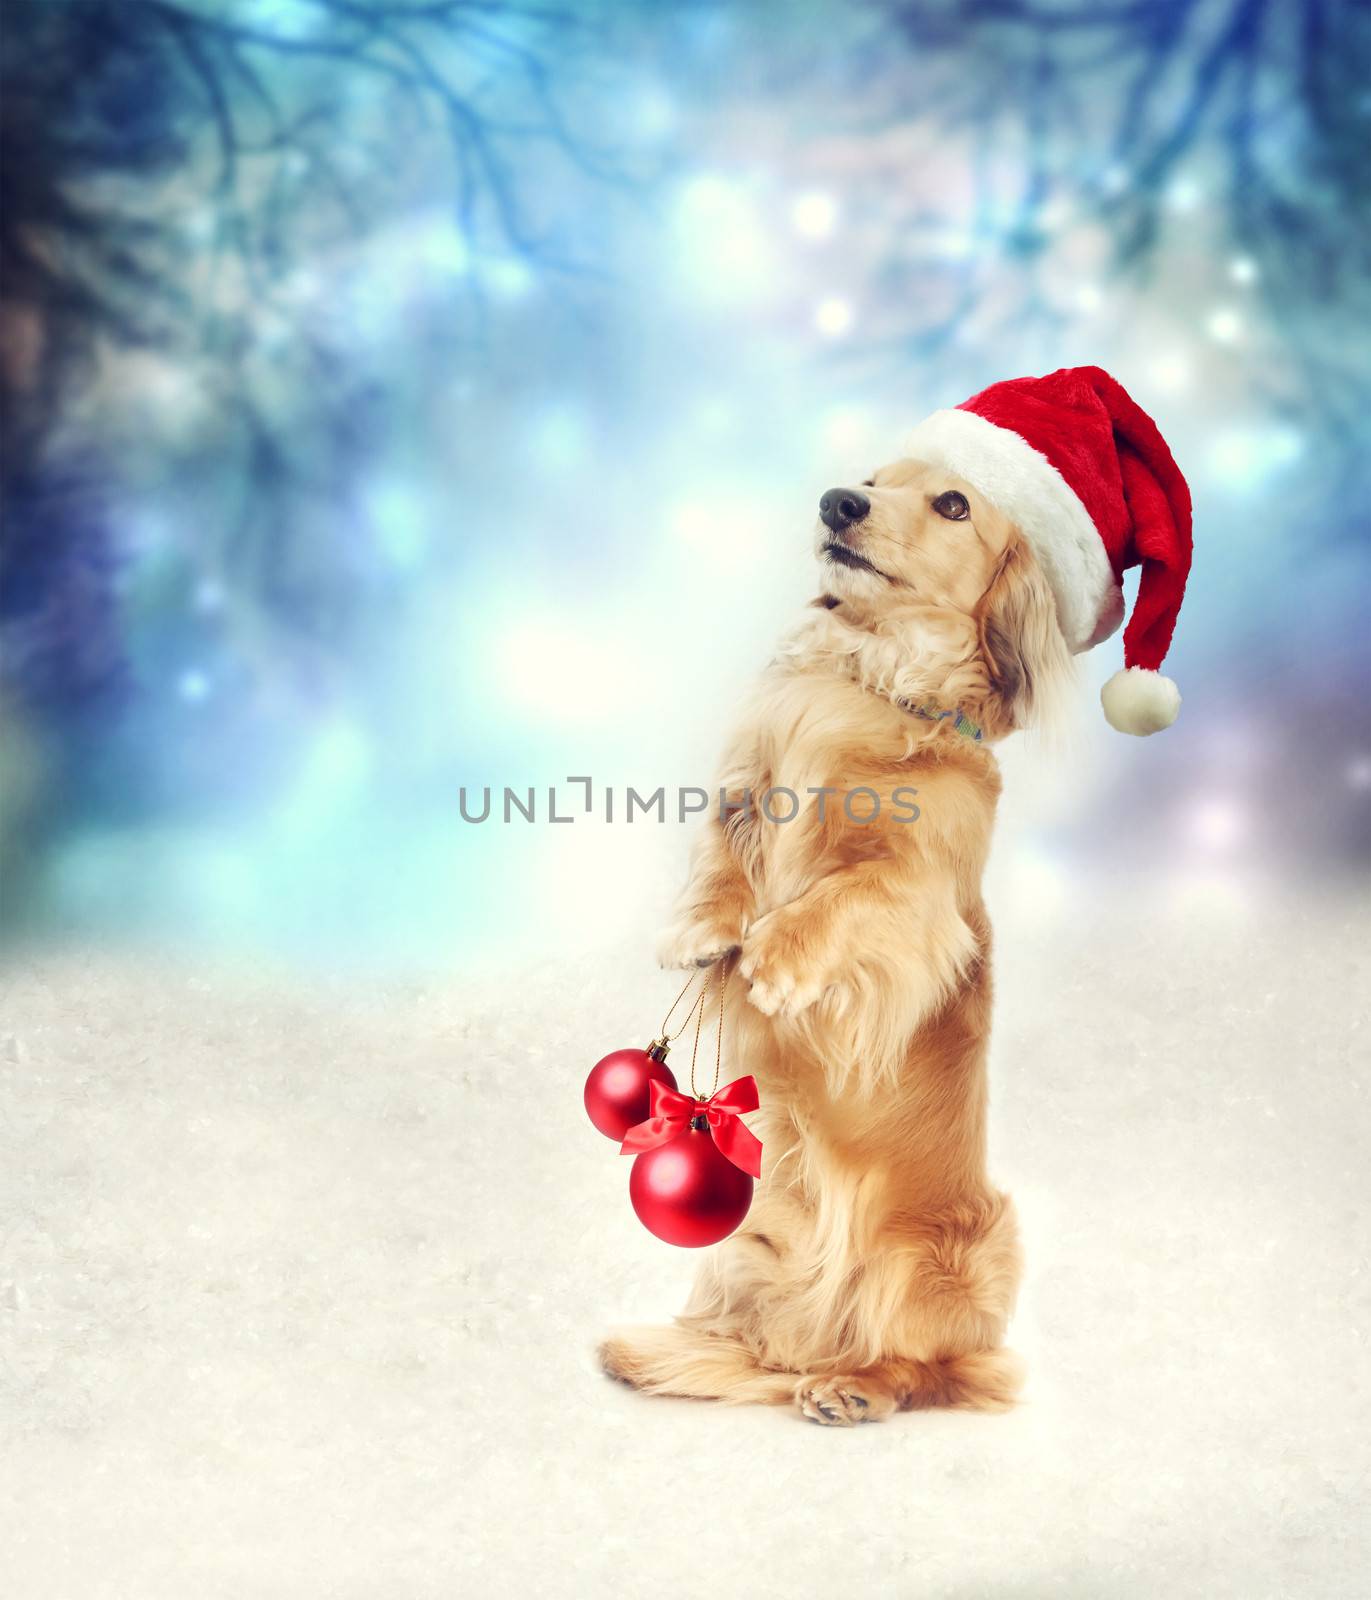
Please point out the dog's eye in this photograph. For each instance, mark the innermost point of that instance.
(953, 506)
(868, 483)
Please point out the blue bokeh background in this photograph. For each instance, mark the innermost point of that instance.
(466, 425)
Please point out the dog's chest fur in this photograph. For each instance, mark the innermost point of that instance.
(810, 732)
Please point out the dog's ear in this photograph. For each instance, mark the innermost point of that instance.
(1026, 659)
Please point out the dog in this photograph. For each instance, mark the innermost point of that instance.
(878, 1267)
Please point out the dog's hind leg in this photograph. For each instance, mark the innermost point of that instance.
(710, 1351)
(687, 1361)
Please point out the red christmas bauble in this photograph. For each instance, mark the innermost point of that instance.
(617, 1094)
(688, 1192)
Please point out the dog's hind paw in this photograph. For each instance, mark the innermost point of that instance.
(843, 1402)
(619, 1359)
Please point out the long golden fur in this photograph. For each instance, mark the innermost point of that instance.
(878, 1267)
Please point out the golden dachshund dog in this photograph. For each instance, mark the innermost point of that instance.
(878, 1266)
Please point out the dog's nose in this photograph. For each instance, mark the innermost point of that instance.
(840, 508)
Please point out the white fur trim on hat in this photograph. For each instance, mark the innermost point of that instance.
(1025, 485)
(1138, 700)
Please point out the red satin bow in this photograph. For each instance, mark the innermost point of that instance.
(672, 1111)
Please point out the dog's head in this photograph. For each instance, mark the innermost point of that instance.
(915, 539)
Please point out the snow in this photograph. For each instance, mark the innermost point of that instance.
(302, 1277)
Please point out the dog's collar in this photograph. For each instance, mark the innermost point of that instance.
(961, 722)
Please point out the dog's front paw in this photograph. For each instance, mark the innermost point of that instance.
(783, 977)
(697, 942)
(842, 1402)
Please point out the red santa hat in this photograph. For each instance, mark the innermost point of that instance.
(1089, 481)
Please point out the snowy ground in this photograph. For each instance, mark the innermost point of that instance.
(300, 1286)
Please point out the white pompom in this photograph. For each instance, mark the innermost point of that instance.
(1137, 700)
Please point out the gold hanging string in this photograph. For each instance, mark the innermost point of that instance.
(666, 1035)
(695, 1043)
(661, 1045)
(722, 967)
(725, 973)
(697, 1004)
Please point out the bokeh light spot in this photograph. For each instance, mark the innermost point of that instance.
(722, 249)
(1218, 824)
(1224, 325)
(814, 215)
(833, 317)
